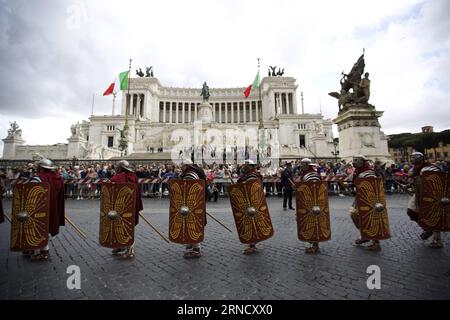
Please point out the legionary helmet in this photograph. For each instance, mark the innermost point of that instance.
(306, 161)
(360, 156)
(125, 165)
(46, 164)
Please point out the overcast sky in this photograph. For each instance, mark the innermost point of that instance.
(54, 55)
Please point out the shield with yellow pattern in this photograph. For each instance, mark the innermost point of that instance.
(250, 211)
(187, 211)
(371, 208)
(313, 212)
(30, 216)
(117, 208)
(434, 203)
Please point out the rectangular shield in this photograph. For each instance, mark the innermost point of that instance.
(30, 216)
(313, 211)
(187, 211)
(117, 209)
(434, 202)
(371, 209)
(250, 211)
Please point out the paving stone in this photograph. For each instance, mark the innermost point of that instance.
(280, 269)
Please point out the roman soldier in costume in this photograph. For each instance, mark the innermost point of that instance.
(46, 173)
(190, 171)
(250, 210)
(124, 174)
(308, 173)
(247, 172)
(363, 170)
(420, 166)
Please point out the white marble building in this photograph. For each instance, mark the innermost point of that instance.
(169, 119)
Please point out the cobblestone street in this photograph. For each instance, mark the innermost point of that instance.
(280, 270)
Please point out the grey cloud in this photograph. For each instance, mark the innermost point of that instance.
(48, 65)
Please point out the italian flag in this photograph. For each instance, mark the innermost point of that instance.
(120, 82)
(253, 86)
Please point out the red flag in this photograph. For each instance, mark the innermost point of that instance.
(253, 86)
(110, 90)
(247, 91)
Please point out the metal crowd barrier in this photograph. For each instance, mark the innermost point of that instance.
(157, 187)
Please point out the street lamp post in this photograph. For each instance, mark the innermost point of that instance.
(335, 153)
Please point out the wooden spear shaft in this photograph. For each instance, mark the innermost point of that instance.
(218, 222)
(7, 218)
(151, 226)
(78, 230)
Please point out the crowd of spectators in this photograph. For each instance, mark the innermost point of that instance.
(84, 181)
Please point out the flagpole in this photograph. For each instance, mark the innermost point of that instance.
(128, 90)
(259, 87)
(261, 125)
(125, 127)
(114, 103)
(92, 111)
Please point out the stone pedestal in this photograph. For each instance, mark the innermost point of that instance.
(360, 132)
(10, 144)
(76, 147)
(205, 112)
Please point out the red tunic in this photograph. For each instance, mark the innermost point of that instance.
(126, 177)
(418, 167)
(57, 210)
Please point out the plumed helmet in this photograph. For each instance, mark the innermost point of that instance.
(46, 164)
(186, 161)
(417, 155)
(124, 164)
(360, 156)
(306, 161)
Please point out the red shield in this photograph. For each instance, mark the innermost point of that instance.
(117, 207)
(250, 211)
(30, 216)
(371, 209)
(313, 212)
(187, 211)
(434, 202)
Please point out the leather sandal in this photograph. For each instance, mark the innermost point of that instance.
(192, 254)
(250, 250)
(118, 251)
(375, 246)
(437, 244)
(312, 250)
(361, 241)
(426, 234)
(129, 254)
(41, 256)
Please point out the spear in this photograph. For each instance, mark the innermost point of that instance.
(8, 218)
(151, 226)
(215, 219)
(77, 229)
